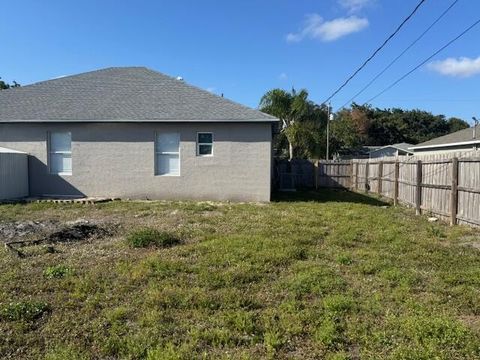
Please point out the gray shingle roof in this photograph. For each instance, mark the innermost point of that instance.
(120, 94)
(400, 146)
(465, 135)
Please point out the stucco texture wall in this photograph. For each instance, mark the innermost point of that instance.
(118, 160)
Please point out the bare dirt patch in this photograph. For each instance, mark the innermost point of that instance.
(20, 235)
(25, 229)
(79, 231)
(471, 241)
(472, 321)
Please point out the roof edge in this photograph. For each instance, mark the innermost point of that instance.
(19, 121)
(393, 146)
(471, 142)
(4, 150)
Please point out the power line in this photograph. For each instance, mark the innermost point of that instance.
(376, 51)
(424, 61)
(401, 54)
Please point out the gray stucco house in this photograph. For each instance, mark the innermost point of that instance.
(135, 133)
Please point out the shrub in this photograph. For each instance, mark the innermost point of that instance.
(23, 310)
(151, 237)
(57, 271)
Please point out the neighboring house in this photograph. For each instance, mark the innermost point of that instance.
(463, 140)
(355, 153)
(401, 149)
(135, 133)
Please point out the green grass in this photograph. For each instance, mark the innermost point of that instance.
(311, 275)
(148, 237)
(23, 311)
(57, 271)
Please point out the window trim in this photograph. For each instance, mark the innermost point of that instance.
(157, 153)
(50, 152)
(199, 143)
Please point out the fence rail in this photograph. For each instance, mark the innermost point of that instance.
(446, 186)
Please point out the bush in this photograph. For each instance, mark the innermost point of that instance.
(57, 271)
(151, 237)
(23, 310)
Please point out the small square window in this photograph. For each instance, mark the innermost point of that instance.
(204, 144)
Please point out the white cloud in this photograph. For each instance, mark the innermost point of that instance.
(283, 76)
(355, 5)
(457, 67)
(211, 89)
(316, 28)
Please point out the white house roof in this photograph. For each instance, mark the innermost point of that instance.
(122, 94)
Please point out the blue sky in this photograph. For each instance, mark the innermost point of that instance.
(243, 48)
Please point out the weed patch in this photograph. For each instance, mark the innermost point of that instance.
(23, 310)
(144, 238)
(57, 271)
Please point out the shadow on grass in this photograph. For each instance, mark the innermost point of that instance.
(327, 195)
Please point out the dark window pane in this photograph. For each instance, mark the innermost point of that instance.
(205, 150)
(205, 138)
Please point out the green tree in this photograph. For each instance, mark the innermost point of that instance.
(302, 121)
(456, 124)
(364, 125)
(347, 132)
(4, 85)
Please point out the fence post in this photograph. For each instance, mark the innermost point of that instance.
(351, 176)
(366, 176)
(315, 173)
(454, 192)
(395, 184)
(418, 193)
(380, 177)
(356, 175)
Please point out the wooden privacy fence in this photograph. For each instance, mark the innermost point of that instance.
(448, 187)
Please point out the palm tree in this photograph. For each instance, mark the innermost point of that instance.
(300, 118)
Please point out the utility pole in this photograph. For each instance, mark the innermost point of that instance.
(329, 116)
(475, 131)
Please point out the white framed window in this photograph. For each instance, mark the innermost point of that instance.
(204, 144)
(60, 153)
(167, 154)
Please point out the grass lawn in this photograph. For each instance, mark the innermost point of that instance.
(328, 275)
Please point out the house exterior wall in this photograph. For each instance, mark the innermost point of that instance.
(118, 160)
(13, 175)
